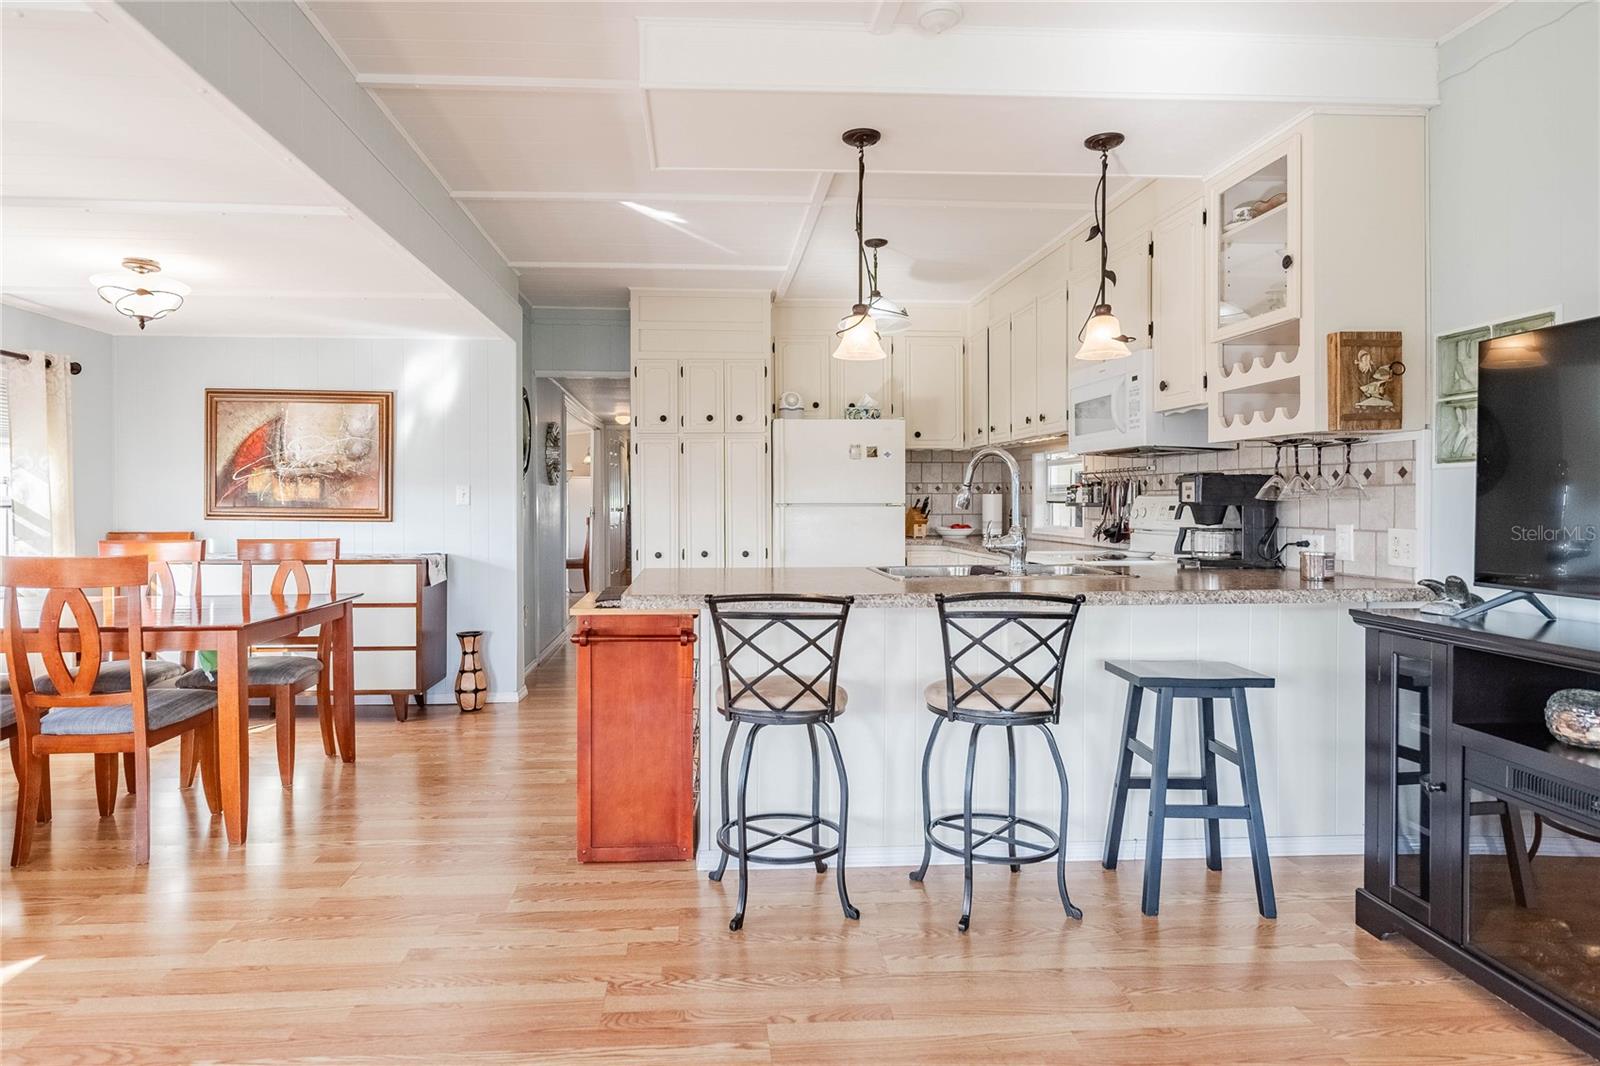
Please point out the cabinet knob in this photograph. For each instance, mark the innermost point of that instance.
(917, 434)
(1028, 419)
(1430, 785)
(1042, 417)
(663, 418)
(709, 417)
(991, 429)
(736, 418)
(1162, 386)
(744, 555)
(1288, 261)
(704, 554)
(815, 405)
(658, 555)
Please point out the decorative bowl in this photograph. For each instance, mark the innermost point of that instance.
(1573, 717)
(955, 532)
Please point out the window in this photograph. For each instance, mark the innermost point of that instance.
(1055, 477)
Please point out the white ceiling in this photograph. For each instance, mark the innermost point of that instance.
(114, 148)
(539, 118)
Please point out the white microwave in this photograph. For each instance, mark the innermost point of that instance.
(1111, 408)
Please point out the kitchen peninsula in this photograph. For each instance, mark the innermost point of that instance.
(1309, 750)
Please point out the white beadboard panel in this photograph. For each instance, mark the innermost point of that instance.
(1308, 733)
(456, 419)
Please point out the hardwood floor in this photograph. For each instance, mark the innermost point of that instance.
(424, 905)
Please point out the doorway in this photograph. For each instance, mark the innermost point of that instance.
(595, 468)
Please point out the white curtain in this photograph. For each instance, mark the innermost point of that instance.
(39, 393)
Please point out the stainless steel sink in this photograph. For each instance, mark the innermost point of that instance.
(985, 570)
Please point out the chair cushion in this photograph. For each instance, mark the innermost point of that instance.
(115, 677)
(163, 707)
(1004, 690)
(8, 712)
(264, 670)
(779, 691)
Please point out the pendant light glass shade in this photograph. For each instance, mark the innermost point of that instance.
(135, 291)
(1102, 337)
(858, 337)
(890, 316)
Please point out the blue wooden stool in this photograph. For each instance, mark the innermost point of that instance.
(1203, 681)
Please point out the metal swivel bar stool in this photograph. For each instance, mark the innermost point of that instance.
(1205, 682)
(1004, 655)
(780, 667)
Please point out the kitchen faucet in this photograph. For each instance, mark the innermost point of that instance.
(1015, 542)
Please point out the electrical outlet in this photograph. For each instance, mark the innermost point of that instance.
(463, 495)
(1344, 543)
(1402, 547)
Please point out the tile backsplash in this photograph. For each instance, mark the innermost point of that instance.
(1386, 469)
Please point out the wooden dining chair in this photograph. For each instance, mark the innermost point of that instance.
(150, 534)
(280, 678)
(581, 563)
(77, 717)
(12, 737)
(160, 551)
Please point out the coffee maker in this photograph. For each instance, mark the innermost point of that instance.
(1206, 540)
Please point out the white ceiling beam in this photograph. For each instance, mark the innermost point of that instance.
(882, 20)
(758, 56)
(489, 195)
(170, 207)
(802, 236)
(199, 291)
(986, 205)
(541, 264)
(495, 83)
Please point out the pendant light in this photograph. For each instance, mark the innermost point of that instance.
(1102, 334)
(858, 331)
(890, 316)
(134, 290)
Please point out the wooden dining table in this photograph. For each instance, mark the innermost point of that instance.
(230, 626)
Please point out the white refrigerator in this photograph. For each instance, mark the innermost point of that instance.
(838, 491)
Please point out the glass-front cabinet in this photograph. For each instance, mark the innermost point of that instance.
(1257, 226)
(1410, 844)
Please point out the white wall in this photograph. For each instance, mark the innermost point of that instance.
(25, 331)
(454, 425)
(1514, 212)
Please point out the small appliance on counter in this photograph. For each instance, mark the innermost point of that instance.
(1206, 539)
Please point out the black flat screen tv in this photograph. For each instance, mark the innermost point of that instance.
(1538, 524)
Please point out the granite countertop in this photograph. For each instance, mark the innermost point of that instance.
(671, 589)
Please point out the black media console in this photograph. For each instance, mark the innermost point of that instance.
(1482, 831)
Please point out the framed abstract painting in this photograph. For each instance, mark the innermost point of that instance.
(299, 455)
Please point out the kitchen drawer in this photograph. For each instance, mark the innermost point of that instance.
(386, 670)
(379, 582)
(385, 627)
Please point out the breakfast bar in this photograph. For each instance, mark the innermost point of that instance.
(1309, 751)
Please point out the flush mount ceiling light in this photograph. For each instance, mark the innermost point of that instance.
(891, 318)
(136, 292)
(1102, 334)
(858, 331)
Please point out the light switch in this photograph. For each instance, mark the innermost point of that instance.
(463, 495)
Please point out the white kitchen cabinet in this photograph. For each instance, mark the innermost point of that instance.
(804, 368)
(700, 488)
(1081, 290)
(931, 367)
(747, 473)
(655, 501)
(1177, 298)
(977, 397)
(852, 380)
(655, 395)
(1130, 295)
(745, 395)
(1024, 367)
(701, 401)
(1051, 370)
(1000, 420)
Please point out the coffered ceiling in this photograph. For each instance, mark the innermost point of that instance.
(608, 145)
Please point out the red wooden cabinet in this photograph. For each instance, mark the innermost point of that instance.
(636, 736)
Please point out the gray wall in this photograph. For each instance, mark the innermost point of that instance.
(92, 478)
(1514, 215)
